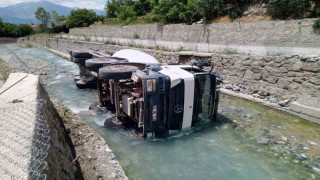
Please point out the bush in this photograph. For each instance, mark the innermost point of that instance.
(142, 7)
(24, 30)
(126, 13)
(136, 36)
(192, 12)
(282, 9)
(316, 25)
(81, 18)
(111, 8)
(168, 11)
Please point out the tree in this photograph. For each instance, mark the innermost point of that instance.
(24, 30)
(54, 16)
(192, 12)
(1, 27)
(168, 11)
(81, 18)
(282, 9)
(58, 23)
(10, 30)
(142, 7)
(125, 13)
(44, 17)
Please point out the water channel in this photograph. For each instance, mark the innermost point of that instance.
(207, 151)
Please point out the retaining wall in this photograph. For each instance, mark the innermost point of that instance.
(295, 33)
(32, 153)
(5, 40)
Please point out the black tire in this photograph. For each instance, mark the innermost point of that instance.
(79, 60)
(86, 85)
(97, 63)
(81, 54)
(117, 72)
(77, 78)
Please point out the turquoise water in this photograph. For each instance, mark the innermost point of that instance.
(207, 151)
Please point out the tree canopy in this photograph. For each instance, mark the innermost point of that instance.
(12, 30)
(44, 17)
(81, 18)
(189, 11)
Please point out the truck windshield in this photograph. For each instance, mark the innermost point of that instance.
(203, 97)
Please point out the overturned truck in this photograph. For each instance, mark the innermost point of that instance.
(154, 97)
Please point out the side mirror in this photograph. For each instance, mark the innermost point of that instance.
(201, 64)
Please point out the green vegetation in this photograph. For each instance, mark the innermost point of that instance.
(13, 30)
(4, 71)
(189, 11)
(28, 46)
(58, 23)
(180, 48)
(136, 36)
(82, 18)
(44, 17)
(229, 52)
(316, 25)
(282, 9)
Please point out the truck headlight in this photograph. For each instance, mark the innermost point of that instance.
(154, 113)
(151, 85)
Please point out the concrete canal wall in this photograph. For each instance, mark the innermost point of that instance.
(41, 138)
(289, 37)
(6, 40)
(34, 143)
(297, 32)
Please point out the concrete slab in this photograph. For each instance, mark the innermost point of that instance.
(185, 53)
(19, 86)
(310, 111)
(203, 54)
(18, 120)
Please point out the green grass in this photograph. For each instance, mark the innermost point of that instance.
(180, 48)
(229, 52)
(159, 59)
(136, 36)
(4, 71)
(131, 21)
(28, 46)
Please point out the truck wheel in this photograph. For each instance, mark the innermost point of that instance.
(79, 60)
(117, 72)
(81, 84)
(97, 63)
(81, 54)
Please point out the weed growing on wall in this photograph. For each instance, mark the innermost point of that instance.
(4, 71)
(136, 36)
(316, 26)
(180, 48)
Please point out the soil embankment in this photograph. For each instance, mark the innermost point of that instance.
(93, 154)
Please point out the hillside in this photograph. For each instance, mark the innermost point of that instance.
(24, 12)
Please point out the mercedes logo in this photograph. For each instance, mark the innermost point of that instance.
(178, 109)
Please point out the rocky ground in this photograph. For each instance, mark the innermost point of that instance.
(284, 136)
(267, 96)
